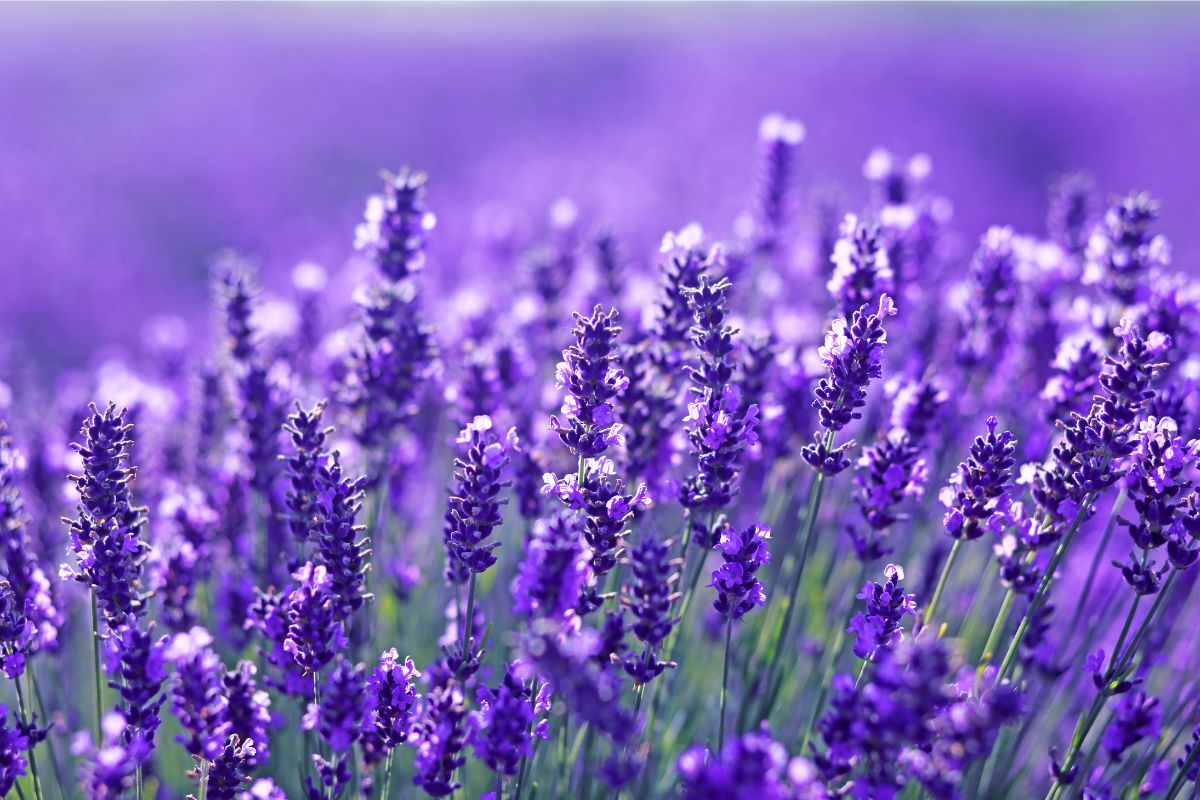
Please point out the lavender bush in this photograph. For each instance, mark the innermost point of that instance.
(830, 498)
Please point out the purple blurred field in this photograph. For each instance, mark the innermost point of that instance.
(137, 141)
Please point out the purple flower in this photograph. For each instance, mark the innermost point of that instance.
(248, 710)
(861, 271)
(567, 661)
(473, 510)
(13, 744)
(1135, 717)
(1076, 364)
(16, 632)
(978, 488)
(198, 698)
(752, 765)
(302, 466)
(229, 772)
(780, 139)
(105, 536)
(1083, 462)
(260, 404)
(31, 588)
(1071, 211)
(391, 700)
(991, 298)
(879, 627)
(107, 770)
(345, 556)
(686, 262)
(649, 598)
(395, 225)
(889, 472)
(607, 510)
(1122, 252)
(591, 374)
(719, 425)
(555, 571)
(389, 365)
(504, 724)
(440, 735)
(743, 552)
(1158, 481)
(338, 715)
(917, 407)
(852, 356)
(137, 660)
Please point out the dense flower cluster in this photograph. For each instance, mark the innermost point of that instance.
(668, 611)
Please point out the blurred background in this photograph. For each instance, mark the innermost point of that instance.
(137, 141)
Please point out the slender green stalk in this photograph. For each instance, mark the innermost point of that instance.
(1090, 581)
(724, 685)
(1039, 597)
(23, 708)
(931, 609)
(561, 779)
(96, 670)
(1181, 775)
(989, 647)
(36, 694)
(791, 599)
(469, 622)
(1119, 664)
(387, 775)
(204, 766)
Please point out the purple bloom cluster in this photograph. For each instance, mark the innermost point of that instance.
(473, 511)
(744, 552)
(649, 599)
(879, 628)
(852, 355)
(555, 572)
(592, 377)
(105, 536)
(861, 272)
(977, 489)
(686, 443)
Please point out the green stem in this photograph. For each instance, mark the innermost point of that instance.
(1118, 666)
(989, 648)
(96, 671)
(812, 508)
(23, 708)
(204, 766)
(387, 775)
(941, 584)
(36, 693)
(561, 779)
(1181, 776)
(1039, 597)
(724, 685)
(1089, 582)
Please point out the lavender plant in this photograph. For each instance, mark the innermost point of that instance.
(1037, 642)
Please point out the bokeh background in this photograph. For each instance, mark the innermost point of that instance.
(137, 141)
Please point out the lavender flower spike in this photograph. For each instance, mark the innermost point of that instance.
(879, 628)
(590, 374)
(744, 552)
(105, 535)
(852, 355)
(977, 489)
(395, 225)
(473, 512)
(861, 270)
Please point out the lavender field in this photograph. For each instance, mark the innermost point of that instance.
(599, 401)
